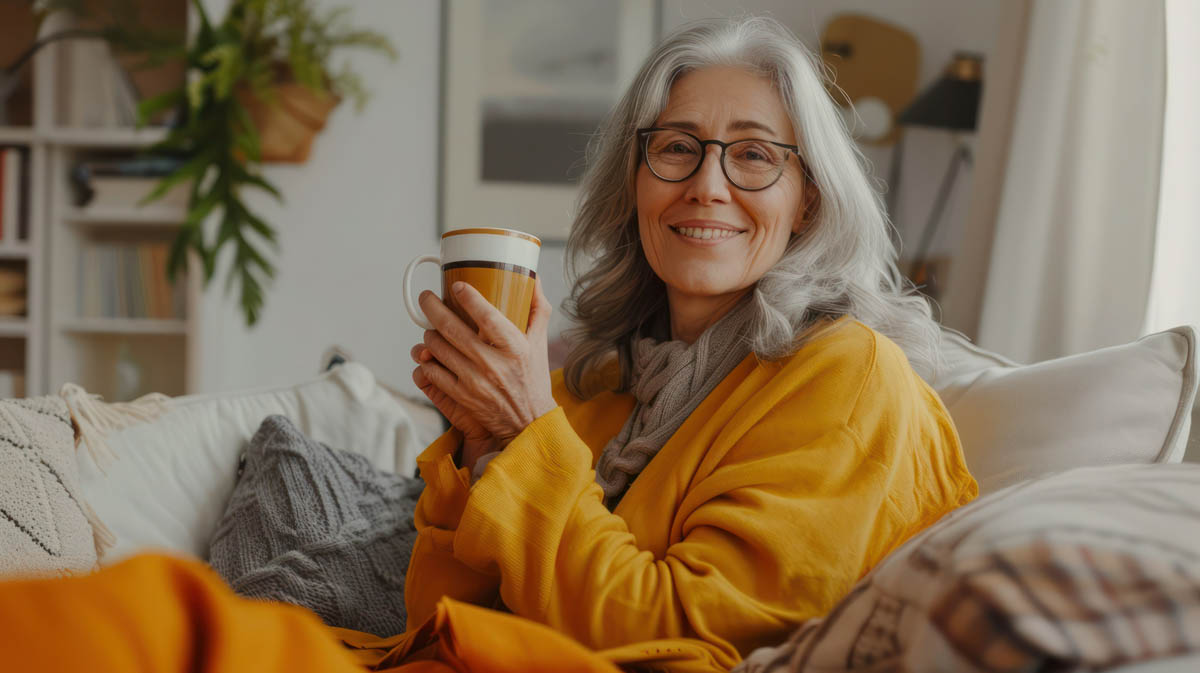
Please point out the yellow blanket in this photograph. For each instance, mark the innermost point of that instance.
(162, 614)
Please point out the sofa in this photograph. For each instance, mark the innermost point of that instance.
(158, 476)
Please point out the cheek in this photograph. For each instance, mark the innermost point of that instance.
(649, 196)
(651, 202)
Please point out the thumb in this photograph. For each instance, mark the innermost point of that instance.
(539, 312)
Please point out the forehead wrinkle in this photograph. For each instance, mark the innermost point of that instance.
(748, 103)
(736, 125)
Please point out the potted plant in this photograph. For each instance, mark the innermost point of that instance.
(258, 88)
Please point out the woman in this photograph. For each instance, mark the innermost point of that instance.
(759, 439)
(737, 436)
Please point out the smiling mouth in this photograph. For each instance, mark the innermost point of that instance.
(705, 233)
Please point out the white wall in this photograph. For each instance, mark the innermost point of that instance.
(362, 206)
(365, 203)
(941, 27)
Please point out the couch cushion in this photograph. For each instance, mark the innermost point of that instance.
(173, 476)
(1083, 570)
(1125, 404)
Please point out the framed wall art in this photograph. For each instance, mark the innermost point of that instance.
(524, 85)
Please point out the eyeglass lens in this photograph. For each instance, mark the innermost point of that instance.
(749, 164)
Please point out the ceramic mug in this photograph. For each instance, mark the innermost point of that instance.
(500, 263)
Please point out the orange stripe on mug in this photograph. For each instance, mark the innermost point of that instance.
(495, 231)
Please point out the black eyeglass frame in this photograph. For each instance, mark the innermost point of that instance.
(643, 133)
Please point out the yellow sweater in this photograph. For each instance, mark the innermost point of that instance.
(781, 490)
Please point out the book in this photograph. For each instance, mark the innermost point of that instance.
(12, 384)
(3, 195)
(159, 254)
(93, 291)
(108, 281)
(137, 286)
(97, 93)
(127, 192)
(12, 305)
(12, 281)
(12, 193)
(23, 187)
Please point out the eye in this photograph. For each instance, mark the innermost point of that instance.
(755, 153)
(679, 147)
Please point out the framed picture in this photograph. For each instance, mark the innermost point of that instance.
(524, 85)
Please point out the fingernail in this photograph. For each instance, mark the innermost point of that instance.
(460, 287)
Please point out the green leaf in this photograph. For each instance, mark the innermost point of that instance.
(177, 258)
(192, 170)
(151, 106)
(263, 229)
(252, 297)
(195, 93)
(227, 68)
(246, 137)
(201, 208)
(205, 23)
(253, 47)
(261, 183)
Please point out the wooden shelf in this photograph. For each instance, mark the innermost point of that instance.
(17, 134)
(126, 326)
(105, 137)
(12, 326)
(166, 216)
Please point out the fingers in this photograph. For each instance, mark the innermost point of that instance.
(494, 327)
(450, 325)
(539, 313)
(420, 353)
(433, 374)
(436, 346)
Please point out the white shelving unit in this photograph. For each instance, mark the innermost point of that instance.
(57, 343)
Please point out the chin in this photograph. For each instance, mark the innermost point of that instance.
(704, 287)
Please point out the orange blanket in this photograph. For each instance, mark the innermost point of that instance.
(164, 614)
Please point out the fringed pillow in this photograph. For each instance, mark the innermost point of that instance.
(46, 527)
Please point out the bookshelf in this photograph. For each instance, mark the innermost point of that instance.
(63, 337)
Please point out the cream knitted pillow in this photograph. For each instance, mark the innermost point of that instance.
(45, 525)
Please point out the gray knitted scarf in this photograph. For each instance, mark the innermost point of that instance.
(670, 379)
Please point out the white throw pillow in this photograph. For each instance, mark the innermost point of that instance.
(1125, 404)
(1079, 571)
(173, 476)
(44, 525)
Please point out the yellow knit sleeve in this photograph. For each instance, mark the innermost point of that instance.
(775, 535)
(433, 572)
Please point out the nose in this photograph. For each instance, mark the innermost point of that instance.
(708, 185)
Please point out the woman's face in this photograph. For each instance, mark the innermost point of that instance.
(732, 236)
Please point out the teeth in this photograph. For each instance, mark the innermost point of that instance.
(705, 233)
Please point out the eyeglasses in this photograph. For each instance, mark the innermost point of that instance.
(751, 165)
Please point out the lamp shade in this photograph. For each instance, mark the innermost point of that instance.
(951, 102)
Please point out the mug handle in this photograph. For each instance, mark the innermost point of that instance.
(413, 311)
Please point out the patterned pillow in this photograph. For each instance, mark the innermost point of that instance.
(1084, 570)
(45, 525)
(320, 528)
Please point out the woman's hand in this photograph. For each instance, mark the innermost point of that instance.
(490, 384)
(477, 441)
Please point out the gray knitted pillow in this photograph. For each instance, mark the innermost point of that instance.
(320, 528)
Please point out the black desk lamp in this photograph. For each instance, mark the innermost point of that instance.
(951, 103)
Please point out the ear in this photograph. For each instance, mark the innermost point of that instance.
(812, 203)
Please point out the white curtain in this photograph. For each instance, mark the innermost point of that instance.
(1175, 281)
(1070, 265)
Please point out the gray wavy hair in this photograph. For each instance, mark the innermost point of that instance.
(842, 263)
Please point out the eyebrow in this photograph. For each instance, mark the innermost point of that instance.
(737, 125)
